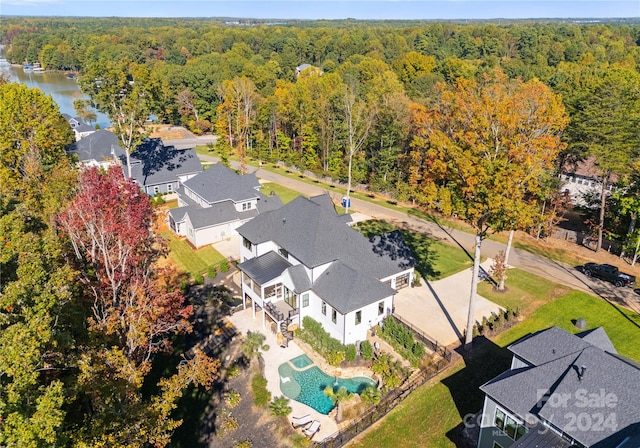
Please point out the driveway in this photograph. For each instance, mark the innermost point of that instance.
(440, 308)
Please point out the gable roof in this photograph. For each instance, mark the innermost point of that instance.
(265, 268)
(312, 232)
(347, 289)
(97, 146)
(568, 371)
(218, 183)
(152, 163)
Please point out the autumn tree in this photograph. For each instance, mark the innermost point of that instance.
(481, 151)
(136, 308)
(122, 91)
(604, 127)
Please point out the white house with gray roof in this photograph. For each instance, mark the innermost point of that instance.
(563, 390)
(303, 259)
(99, 149)
(214, 203)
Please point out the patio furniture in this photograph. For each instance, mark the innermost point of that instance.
(311, 430)
(301, 421)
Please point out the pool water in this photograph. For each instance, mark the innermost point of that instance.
(301, 361)
(312, 382)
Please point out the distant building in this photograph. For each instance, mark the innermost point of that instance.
(581, 180)
(302, 67)
(215, 202)
(99, 148)
(80, 128)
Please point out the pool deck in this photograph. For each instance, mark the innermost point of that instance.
(277, 355)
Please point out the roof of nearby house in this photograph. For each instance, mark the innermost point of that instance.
(571, 370)
(218, 183)
(586, 168)
(152, 163)
(220, 212)
(83, 128)
(540, 437)
(299, 277)
(97, 146)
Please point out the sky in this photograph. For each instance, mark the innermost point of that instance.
(327, 9)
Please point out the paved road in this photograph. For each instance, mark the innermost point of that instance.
(190, 142)
(541, 266)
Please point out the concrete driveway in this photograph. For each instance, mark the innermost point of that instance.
(440, 308)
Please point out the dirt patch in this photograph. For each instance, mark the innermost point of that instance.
(168, 132)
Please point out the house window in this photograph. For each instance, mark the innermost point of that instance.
(499, 420)
(380, 308)
(246, 206)
(305, 299)
(522, 430)
(324, 308)
(156, 189)
(358, 317)
(284, 253)
(169, 187)
(247, 243)
(290, 298)
(510, 427)
(334, 316)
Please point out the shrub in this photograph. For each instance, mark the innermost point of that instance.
(261, 396)
(233, 371)
(228, 423)
(321, 341)
(232, 398)
(300, 441)
(366, 350)
(335, 357)
(212, 271)
(371, 395)
(199, 280)
(224, 266)
(402, 341)
(184, 286)
(280, 407)
(350, 353)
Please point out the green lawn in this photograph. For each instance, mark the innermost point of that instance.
(191, 260)
(434, 259)
(524, 291)
(286, 194)
(432, 415)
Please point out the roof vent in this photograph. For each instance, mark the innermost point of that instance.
(581, 323)
(284, 221)
(581, 370)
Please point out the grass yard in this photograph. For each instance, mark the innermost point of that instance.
(435, 260)
(524, 291)
(189, 259)
(286, 194)
(432, 415)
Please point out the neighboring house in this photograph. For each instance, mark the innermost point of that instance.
(80, 128)
(312, 69)
(582, 179)
(212, 204)
(563, 390)
(303, 259)
(160, 169)
(99, 149)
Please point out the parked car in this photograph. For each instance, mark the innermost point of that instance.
(609, 273)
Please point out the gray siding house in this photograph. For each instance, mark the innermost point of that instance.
(99, 149)
(160, 169)
(212, 204)
(303, 259)
(563, 390)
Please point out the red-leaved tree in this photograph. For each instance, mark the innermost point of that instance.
(109, 225)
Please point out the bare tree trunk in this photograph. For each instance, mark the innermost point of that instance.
(635, 254)
(474, 290)
(508, 249)
(603, 201)
(632, 227)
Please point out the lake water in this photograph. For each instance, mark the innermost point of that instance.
(63, 90)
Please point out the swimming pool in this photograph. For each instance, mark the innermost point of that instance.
(307, 384)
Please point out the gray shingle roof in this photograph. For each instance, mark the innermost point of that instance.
(265, 268)
(152, 163)
(312, 231)
(559, 376)
(347, 289)
(540, 437)
(97, 146)
(219, 183)
(599, 338)
(301, 281)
